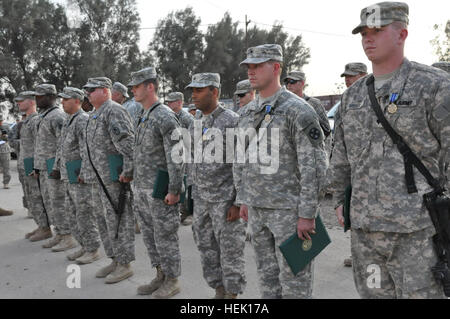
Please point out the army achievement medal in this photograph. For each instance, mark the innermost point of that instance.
(204, 134)
(267, 117)
(392, 108)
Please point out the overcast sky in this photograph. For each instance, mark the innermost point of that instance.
(326, 27)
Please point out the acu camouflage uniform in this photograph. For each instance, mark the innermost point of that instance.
(5, 153)
(46, 142)
(109, 131)
(221, 243)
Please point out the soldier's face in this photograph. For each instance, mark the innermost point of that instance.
(96, 97)
(45, 101)
(261, 75)
(69, 105)
(247, 98)
(25, 105)
(380, 44)
(203, 98)
(349, 79)
(140, 92)
(175, 105)
(117, 97)
(296, 88)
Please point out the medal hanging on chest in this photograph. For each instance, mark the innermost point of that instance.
(204, 137)
(392, 107)
(267, 116)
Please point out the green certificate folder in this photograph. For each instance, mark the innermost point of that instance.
(50, 163)
(161, 187)
(73, 170)
(348, 198)
(299, 253)
(115, 166)
(29, 165)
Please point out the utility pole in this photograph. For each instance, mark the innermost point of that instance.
(247, 22)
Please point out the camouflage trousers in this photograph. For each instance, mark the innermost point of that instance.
(53, 193)
(270, 228)
(394, 265)
(81, 216)
(221, 245)
(34, 201)
(100, 218)
(159, 227)
(5, 159)
(121, 248)
(21, 173)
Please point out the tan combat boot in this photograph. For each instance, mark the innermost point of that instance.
(220, 293)
(88, 257)
(28, 235)
(121, 272)
(41, 234)
(229, 295)
(52, 242)
(67, 242)
(105, 271)
(154, 285)
(76, 254)
(169, 288)
(137, 229)
(5, 212)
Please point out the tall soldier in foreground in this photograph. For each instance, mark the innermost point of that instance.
(283, 196)
(391, 228)
(109, 141)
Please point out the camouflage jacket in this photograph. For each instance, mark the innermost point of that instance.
(365, 156)
(72, 142)
(320, 110)
(4, 145)
(27, 137)
(213, 182)
(153, 149)
(185, 118)
(109, 131)
(296, 181)
(48, 132)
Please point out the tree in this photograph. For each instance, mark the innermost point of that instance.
(225, 49)
(441, 43)
(178, 48)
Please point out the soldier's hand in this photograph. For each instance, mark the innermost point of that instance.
(340, 215)
(171, 199)
(243, 212)
(125, 179)
(35, 173)
(55, 174)
(306, 227)
(233, 214)
(80, 180)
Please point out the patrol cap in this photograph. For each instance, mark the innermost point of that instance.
(45, 89)
(119, 87)
(25, 95)
(295, 75)
(263, 53)
(243, 87)
(442, 65)
(353, 69)
(192, 107)
(202, 80)
(142, 75)
(175, 96)
(381, 14)
(100, 82)
(72, 93)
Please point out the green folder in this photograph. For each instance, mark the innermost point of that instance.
(115, 166)
(29, 165)
(73, 170)
(299, 253)
(50, 163)
(161, 187)
(347, 200)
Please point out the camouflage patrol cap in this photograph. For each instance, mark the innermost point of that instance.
(175, 96)
(243, 87)
(381, 14)
(202, 80)
(192, 107)
(25, 95)
(142, 75)
(442, 65)
(72, 93)
(353, 69)
(100, 82)
(119, 87)
(263, 53)
(295, 75)
(45, 89)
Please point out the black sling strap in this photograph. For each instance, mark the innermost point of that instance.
(409, 157)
